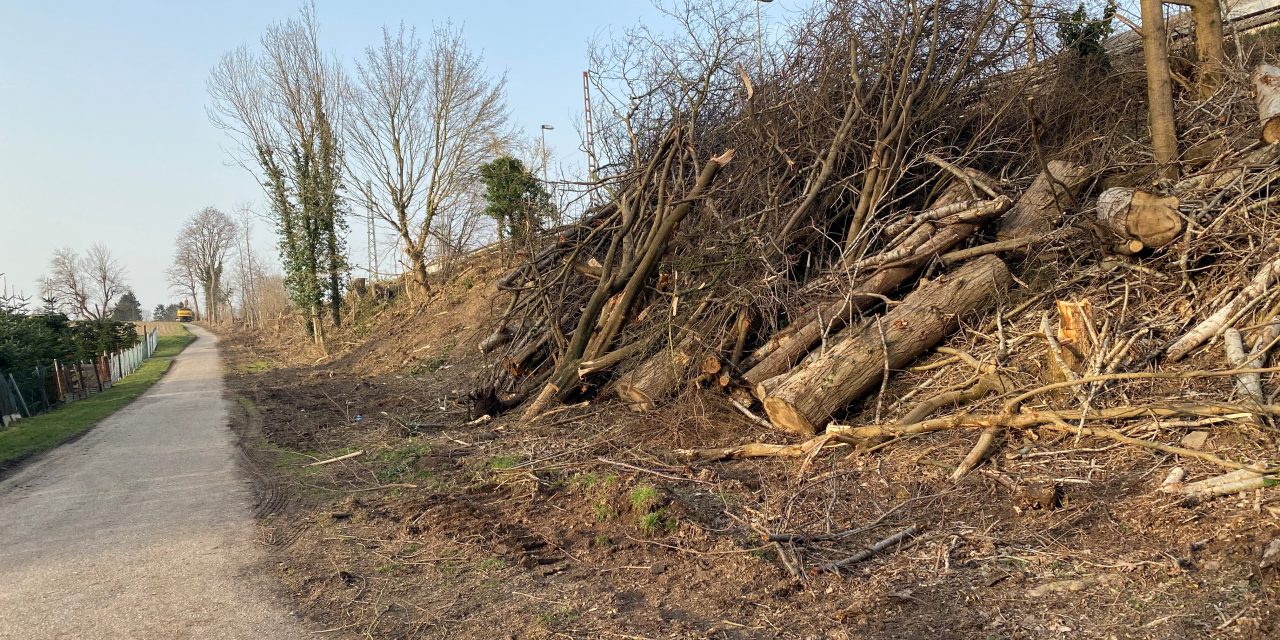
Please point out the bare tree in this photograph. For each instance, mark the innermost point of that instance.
(86, 286)
(204, 244)
(247, 268)
(1210, 51)
(421, 121)
(182, 279)
(66, 284)
(282, 104)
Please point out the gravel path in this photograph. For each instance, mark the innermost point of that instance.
(142, 528)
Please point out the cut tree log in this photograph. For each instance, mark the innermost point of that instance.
(1136, 215)
(1041, 208)
(806, 399)
(794, 345)
(657, 377)
(1266, 88)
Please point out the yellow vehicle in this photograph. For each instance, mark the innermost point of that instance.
(184, 313)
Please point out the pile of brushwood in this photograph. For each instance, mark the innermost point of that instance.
(794, 242)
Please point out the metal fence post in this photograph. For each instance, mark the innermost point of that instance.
(18, 392)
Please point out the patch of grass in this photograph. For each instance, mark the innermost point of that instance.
(552, 620)
(604, 512)
(257, 366)
(644, 498)
(388, 567)
(654, 522)
(584, 481)
(498, 463)
(492, 563)
(48, 430)
(398, 464)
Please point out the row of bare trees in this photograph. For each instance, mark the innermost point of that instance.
(84, 285)
(401, 137)
(215, 267)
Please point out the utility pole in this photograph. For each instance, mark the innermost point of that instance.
(545, 160)
(373, 235)
(759, 40)
(592, 167)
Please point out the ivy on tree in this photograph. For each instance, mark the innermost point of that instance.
(1084, 35)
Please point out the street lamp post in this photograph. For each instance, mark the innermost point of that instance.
(546, 161)
(545, 129)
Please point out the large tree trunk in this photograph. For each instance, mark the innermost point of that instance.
(657, 377)
(806, 399)
(1155, 49)
(1041, 208)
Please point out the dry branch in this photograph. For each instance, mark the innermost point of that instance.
(1217, 321)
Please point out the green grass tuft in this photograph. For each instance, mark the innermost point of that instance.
(43, 432)
(399, 464)
(644, 498)
(498, 463)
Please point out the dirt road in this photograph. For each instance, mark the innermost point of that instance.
(142, 528)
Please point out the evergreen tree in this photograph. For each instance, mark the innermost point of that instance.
(165, 313)
(514, 198)
(127, 309)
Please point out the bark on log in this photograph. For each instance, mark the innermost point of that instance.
(499, 337)
(657, 377)
(1137, 215)
(1041, 208)
(834, 316)
(1266, 88)
(806, 398)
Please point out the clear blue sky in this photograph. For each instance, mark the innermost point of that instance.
(103, 132)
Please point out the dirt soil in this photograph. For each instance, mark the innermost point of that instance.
(580, 524)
